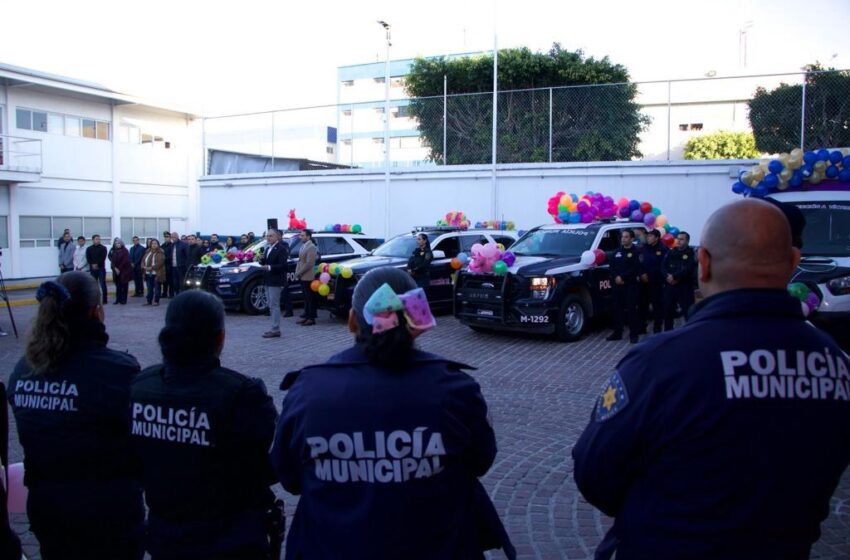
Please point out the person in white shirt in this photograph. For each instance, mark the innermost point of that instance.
(80, 262)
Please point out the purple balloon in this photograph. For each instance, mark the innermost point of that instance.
(582, 206)
(649, 219)
(637, 216)
(509, 258)
(812, 300)
(586, 218)
(624, 212)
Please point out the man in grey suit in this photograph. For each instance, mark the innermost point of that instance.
(66, 253)
(305, 273)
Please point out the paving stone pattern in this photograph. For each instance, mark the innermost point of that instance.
(540, 394)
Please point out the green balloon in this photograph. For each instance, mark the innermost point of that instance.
(356, 228)
(500, 268)
(656, 211)
(799, 290)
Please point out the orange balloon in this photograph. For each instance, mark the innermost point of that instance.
(456, 264)
(314, 285)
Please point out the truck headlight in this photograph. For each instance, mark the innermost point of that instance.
(236, 270)
(839, 286)
(541, 287)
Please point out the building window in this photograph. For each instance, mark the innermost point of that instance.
(402, 112)
(55, 124)
(89, 128)
(346, 113)
(144, 228)
(683, 127)
(696, 126)
(72, 126)
(380, 80)
(102, 130)
(43, 231)
(378, 140)
(23, 119)
(347, 83)
(4, 232)
(329, 149)
(397, 82)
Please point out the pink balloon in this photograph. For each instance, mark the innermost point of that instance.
(17, 490)
(623, 202)
(324, 278)
(476, 249)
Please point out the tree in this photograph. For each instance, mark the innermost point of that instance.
(598, 122)
(722, 145)
(775, 115)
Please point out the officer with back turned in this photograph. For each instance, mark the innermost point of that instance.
(625, 269)
(679, 268)
(725, 438)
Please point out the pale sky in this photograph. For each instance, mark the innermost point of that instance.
(226, 56)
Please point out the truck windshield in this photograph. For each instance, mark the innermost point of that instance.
(554, 243)
(827, 230)
(401, 247)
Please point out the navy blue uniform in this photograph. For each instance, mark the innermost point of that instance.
(84, 498)
(387, 462)
(625, 263)
(419, 265)
(651, 259)
(203, 435)
(724, 439)
(682, 266)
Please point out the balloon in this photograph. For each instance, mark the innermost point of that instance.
(845, 162)
(810, 158)
(623, 203)
(844, 175)
(832, 171)
(634, 205)
(476, 249)
(17, 490)
(324, 278)
(794, 162)
(456, 264)
(249, 255)
(582, 206)
(775, 167)
(819, 166)
(624, 212)
(739, 187)
(835, 157)
(796, 178)
(760, 191)
(785, 175)
(661, 220)
(782, 185)
(205, 259)
(823, 155)
(796, 152)
(600, 256)
(645, 207)
(500, 247)
(588, 258)
(509, 258)
(324, 290)
(586, 218)
(347, 272)
(799, 290)
(770, 181)
(574, 218)
(637, 216)
(356, 228)
(335, 269)
(564, 217)
(649, 219)
(314, 285)
(674, 231)
(668, 240)
(656, 211)
(500, 268)
(216, 258)
(816, 178)
(757, 174)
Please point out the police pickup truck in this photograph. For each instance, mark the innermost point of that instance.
(241, 286)
(825, 266)
(446, 243)
(547, 290)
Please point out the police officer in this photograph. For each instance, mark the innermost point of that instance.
(10, 544)
(70, 395)
(202, 433)
(734, 447)
(419, 264)
(625, 269)
(385, 443)
(679, 268)
(652, 255)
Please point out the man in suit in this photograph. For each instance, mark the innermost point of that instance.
(275, 259)
(305, 273)
(167, 246)
(137, 251)
(178, 257)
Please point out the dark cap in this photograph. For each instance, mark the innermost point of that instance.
(654, 232)
(796, 220)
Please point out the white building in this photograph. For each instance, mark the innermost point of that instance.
(77, 155)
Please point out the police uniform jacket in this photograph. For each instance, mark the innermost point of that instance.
(74, 428)
(278, 259)
(651, 258)
(419, 262)
(723, 439)
(202, 434)
(681, 264)
(387, 462)
(625, 263)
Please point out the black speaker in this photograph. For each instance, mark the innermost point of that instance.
(271, 223)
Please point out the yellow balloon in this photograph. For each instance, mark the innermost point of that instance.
(784, 160)
(347, 272)
(782, 185)
(795, 162)
(566, 200)
(324, 290)
(501, 247)
(797, 153)
(746, 178)
(820, 166)
(757, 174)
(816, 177)
(764, 163)
(785, 174)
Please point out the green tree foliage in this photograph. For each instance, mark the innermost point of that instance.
(722, 145)
(598, 122)
(775, 115)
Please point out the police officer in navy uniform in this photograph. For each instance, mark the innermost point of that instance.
(419, 264)
(70, 395)
(202, 433)
(625, 269)
(652, 255)
(679, 268)
(725, 438)
(385, 443)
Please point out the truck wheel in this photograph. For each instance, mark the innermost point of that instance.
(254, 299)
(572, 320)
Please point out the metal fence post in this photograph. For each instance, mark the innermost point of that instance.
(550, 125)
(803, 114)
(273, 141)
(445, 116)
(351, 151)
(669, 117)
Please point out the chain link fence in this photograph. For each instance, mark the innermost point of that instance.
(608, 122)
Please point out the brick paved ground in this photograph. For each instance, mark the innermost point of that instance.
(540, 394)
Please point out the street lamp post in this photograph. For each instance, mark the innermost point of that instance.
(386, 27)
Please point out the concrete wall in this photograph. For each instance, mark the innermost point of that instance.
(687, 192)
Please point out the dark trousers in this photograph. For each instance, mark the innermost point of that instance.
(651, 297)
(154, 288)
(286, 300)
(678, 295)
(178, 276)
(309, 300)
(100, 277)
(121, 291)
(138, 280)
(626, 304)
(422, 281)
(169, 279)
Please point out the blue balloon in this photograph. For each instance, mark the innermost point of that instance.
(835, 156)
(832, 172)
(575, 217)
(634, 205)
(845, 162)
(216, 258)
(810, 158)
(760, 191)
(775, 166)
(770, 181)
(463, 258)
(796, 178)
(823, 155)
(739, 188)
(564, 216)
(674, 231)
(807, 171)
(844, 175)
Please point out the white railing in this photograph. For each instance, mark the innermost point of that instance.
(20, 154)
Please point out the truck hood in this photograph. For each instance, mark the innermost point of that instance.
(529, 266)
(819, 270)
(365, 264)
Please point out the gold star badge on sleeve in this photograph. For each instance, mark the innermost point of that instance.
(614, 398)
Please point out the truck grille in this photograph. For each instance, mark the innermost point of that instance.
(481, 297)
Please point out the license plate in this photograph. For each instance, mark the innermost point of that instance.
(534, 319)
(485, 312)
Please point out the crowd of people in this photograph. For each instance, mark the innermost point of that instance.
(723, 439)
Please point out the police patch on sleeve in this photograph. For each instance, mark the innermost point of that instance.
(614, 398)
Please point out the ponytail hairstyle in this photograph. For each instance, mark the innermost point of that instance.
(193, 321)
(64, 305)
(392, 349)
